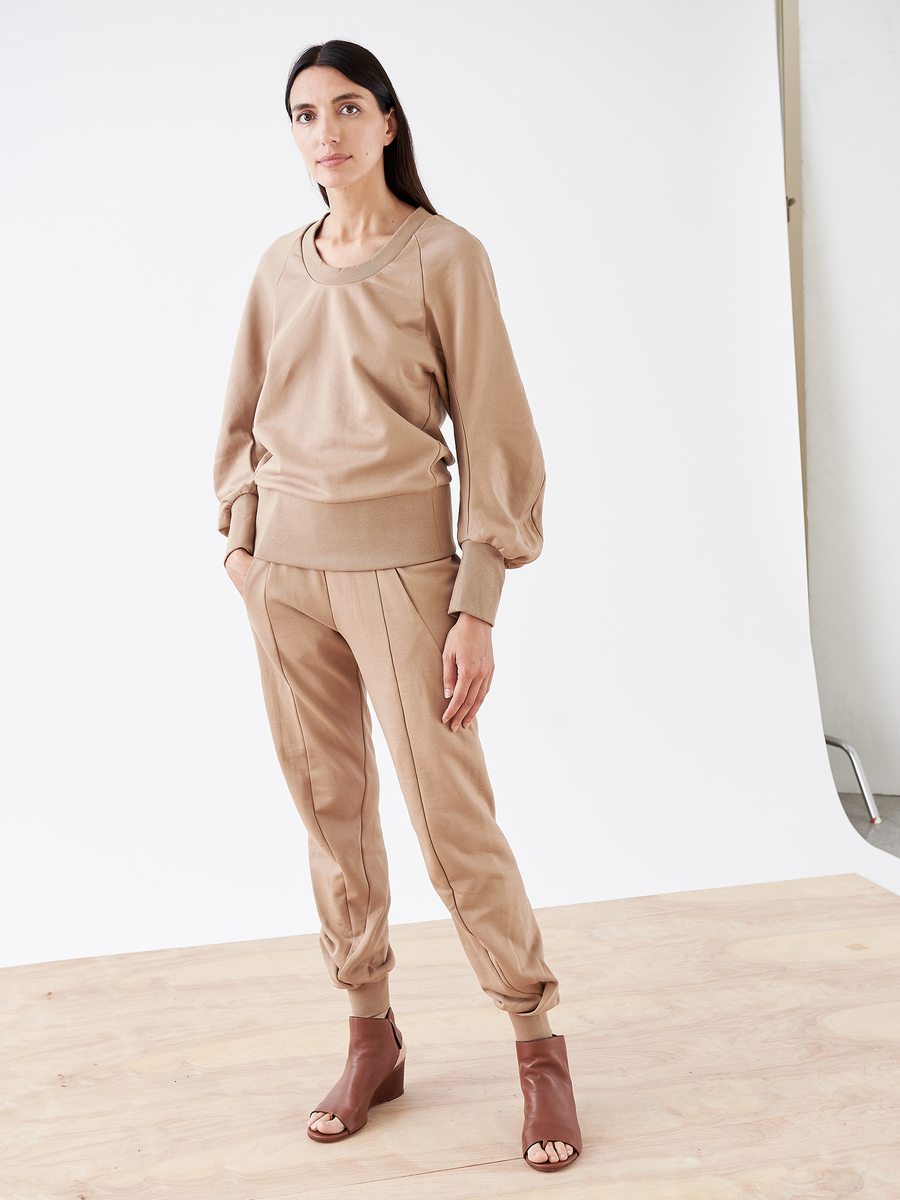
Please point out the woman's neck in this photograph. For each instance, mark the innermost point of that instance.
(358, 225)
(358, 214)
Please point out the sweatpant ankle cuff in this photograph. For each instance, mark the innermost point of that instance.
(530, 1028)
(370, 999)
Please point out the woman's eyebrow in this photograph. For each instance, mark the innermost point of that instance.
(336, 99)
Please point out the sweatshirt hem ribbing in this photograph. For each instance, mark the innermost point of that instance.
(355, 535)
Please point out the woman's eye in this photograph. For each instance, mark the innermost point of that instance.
(355, 107)
(300, 118)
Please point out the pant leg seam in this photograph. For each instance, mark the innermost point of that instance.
(415, 770)
(362, 726)
(510, 990)
(362, 851)
(330, 605)
(312, 793)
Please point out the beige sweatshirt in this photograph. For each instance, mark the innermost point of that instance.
(330, 453)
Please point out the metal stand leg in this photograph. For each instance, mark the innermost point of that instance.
(860, 774)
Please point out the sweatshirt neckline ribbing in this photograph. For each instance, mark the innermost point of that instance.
(323, 273)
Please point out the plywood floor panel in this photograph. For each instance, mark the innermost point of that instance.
(736, 1044)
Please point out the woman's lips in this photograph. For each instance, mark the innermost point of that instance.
(333, 160)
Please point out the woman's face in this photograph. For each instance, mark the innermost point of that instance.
(338, 127)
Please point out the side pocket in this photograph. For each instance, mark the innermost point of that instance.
(262, 462)
(428, 588)
(246, 583)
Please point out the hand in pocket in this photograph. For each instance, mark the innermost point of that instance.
(237, 564)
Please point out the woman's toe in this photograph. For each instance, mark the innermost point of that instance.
(549, 1152)
(323, 1122)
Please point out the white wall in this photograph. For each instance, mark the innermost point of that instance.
(654, 724)
(850, 85)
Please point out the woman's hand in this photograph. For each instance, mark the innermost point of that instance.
(468, 669)
(237, 565)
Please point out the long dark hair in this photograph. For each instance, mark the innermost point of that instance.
(362, 67)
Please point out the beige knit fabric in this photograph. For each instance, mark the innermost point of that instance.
(324, 639)
(330, 453)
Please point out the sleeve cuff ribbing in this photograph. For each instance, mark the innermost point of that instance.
(242, 531)
(479, 581)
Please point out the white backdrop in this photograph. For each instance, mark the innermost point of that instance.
(851, 165)
(654, 723)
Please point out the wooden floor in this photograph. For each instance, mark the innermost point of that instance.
(727, 1044)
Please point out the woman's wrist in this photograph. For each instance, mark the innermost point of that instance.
(230, 559)
(464, 618)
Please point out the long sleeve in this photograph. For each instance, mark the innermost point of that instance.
(238, 452)
(501, 467)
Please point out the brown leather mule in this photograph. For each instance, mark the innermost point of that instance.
(549, 1103)
(370, 1076)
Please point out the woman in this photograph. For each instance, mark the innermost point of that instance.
(362, 331)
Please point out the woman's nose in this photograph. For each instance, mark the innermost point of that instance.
(328, 132)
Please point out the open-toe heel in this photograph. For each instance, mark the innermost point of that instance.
(549, 1103)
(372, 1076)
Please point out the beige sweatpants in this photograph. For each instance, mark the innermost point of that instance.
(324, 639)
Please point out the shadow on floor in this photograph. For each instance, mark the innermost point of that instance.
(885, 836)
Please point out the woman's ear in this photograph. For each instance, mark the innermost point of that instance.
(390, 128)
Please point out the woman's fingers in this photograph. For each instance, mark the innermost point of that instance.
(465, 683)
(472, 711)
(466, 705)
(449, 661)
(468, 666)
